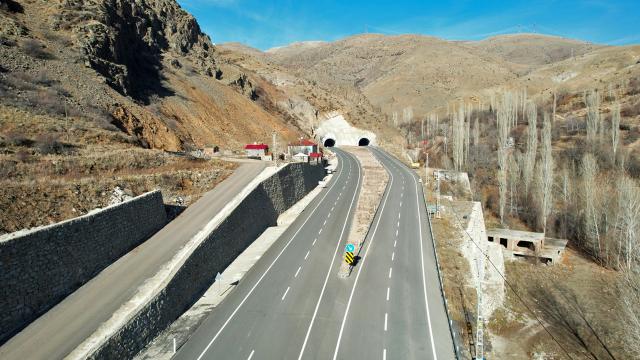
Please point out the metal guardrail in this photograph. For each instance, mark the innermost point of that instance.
(456, 348)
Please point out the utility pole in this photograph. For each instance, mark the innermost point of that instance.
(273, 152)
(438, 194)
(480, 318)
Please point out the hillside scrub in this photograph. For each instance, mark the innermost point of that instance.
(575, 177)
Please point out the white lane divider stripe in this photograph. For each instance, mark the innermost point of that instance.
(396, 232)
(251, 355)
(390, 271)
(320, 232)
(264, 274)
(384, 354)
(298, 271)
(424, 280)
(388, 293)
(393, 255)
(306, 256)
(314, 241)
(385, 321)
(326, 279)
(395, 242)
(285, 293)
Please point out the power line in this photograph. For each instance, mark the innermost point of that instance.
(509, 284)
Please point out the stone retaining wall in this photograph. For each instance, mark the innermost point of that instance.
(258, 211)
(41, 266)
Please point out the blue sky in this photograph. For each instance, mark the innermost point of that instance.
(264, 24)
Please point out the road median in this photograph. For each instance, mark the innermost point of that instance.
(374, 182)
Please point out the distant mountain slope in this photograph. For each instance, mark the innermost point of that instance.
(533, 49)
(399, 71)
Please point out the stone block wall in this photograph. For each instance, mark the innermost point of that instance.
(258, 211)
(40, 267)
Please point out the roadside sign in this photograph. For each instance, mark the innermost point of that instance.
(349, 258)
(350, 248)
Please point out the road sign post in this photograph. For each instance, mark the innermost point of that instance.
(349, 248)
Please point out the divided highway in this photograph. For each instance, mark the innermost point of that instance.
(292, 304)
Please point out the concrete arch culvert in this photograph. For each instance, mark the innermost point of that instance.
(363, 142)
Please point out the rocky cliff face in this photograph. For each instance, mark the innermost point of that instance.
(126, 41)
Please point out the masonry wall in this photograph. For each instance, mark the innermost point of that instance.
(258, 211)
(40, 267)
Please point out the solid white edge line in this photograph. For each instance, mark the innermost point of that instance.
(424, 280)
(285, 293)
(264, 274)
(326, 279)
(344, 319)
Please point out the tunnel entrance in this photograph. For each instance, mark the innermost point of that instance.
(329, 142)
(363, 142)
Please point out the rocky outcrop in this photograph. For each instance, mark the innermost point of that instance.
(126, 41)
(149, 130)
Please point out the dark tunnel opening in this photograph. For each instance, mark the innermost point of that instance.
(329, 142)
(363, 142)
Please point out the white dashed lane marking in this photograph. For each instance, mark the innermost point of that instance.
(385, 321)
(390, 271)
(285, 293)
(296, 275)
(306, 256)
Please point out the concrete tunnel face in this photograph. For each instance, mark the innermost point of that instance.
(363, 142)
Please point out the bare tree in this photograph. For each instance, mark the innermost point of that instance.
(532, 146)
(546, 173)
(629, 222)
(591, 216)
(592, 100)
(615, 129)
(467, 135)
(514, 179)
(503, 120)
(476, 132)
(458, 130)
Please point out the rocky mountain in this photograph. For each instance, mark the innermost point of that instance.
(426, 73)
(96, 94)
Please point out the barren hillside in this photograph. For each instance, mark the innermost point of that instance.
(92, 91)
(425, 73)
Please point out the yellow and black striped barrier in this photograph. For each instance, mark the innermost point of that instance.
(349, 258)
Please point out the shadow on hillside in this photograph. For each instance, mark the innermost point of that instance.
(569, 322)
(11, 6)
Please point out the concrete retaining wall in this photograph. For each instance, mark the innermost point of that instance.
(258, 211)
(40, 267)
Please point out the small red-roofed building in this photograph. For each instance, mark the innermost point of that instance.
(256, 150)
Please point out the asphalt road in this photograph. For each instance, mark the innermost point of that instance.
(292, 304)
(58, 332)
